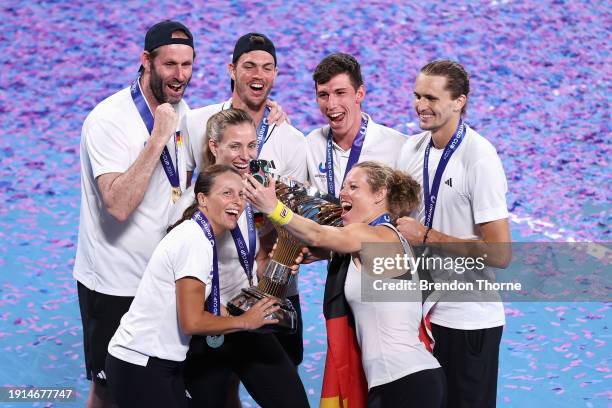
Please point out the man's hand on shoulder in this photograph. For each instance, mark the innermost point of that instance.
(276, 116)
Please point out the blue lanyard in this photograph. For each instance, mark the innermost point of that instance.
(213, 303)
(246, 256)
(431, 196)
(147, 118)
(262, 131)
(382, 219)
(353, 156)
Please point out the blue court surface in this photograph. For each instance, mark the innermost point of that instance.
(540, 75)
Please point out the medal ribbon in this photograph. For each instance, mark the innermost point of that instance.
(431, 196)
(353, 156)
(246, 256)
(262, 131)
(213, 303)
(147, 118)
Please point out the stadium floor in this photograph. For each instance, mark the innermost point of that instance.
(540, 75)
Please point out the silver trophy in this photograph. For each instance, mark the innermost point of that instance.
(310, 203)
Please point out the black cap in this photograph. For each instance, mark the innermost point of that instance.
(252, 42)
(161, 34)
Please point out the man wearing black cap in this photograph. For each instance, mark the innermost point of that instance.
(252, 72)
(132, 170)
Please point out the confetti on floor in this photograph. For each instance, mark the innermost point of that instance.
(540, 74)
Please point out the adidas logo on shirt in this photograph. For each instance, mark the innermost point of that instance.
(101, 375)
(449, 182)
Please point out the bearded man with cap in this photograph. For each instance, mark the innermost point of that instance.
(252, 73)
(132, 171)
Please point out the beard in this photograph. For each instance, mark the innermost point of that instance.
(156, 84)
(254, 105)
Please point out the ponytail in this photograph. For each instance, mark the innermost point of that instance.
(403, 194)
(187, 214)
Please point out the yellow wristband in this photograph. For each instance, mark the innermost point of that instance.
(281, 215)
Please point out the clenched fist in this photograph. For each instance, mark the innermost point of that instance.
(411, 229)
(165, 123)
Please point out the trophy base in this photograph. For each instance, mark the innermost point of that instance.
(286, 315)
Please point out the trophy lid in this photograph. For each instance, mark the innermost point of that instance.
(309, 202)
(297, 188)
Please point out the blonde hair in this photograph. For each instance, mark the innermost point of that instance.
(216, 126)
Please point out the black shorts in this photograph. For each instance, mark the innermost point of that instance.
(100, 315)
(159, 384)
(423, 389)
(470, 360)
(258, 359)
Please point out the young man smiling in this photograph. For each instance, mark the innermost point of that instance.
(464, 186)
(252, 71)
(350, 136)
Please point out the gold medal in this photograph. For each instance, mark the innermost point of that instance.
(176, 194)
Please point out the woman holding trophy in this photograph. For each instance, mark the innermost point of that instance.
(146, 354)
(257, 359)
(399, 369)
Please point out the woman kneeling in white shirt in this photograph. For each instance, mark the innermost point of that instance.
(144, 364)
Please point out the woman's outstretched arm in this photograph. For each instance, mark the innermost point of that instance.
(344, 240)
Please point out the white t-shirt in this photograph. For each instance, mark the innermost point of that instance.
(472, 191)
(387, 332)
(151, 327)
(232, 277)
(111, 255)
(381, 144)
(284, 144)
